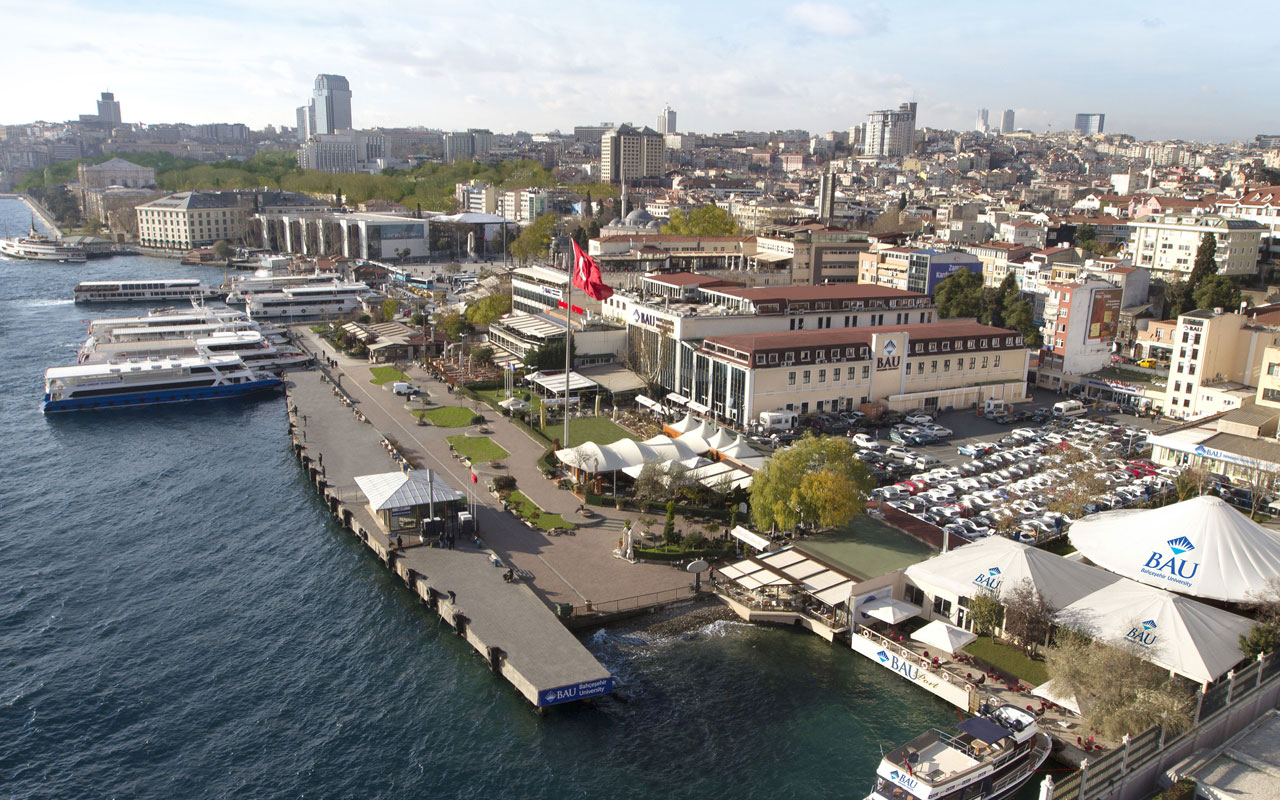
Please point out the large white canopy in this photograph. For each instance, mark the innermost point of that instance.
(395, 490)
(996, 564)
(1201, 547)
(1190, 638)
(1051, 693)
(943, 636)
(682, 426)
(595, 458)
(886, 609)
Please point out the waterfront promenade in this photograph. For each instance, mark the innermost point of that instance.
(577, 569)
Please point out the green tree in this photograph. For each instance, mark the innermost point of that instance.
(1019, 317)
(389, 308)
(818, 480)
(483, 355)
(1205, 264)
(549, 355)
(1028, 616)
(669, 534)
(959, 295)
(455, 326)
(702, 221)
(222, 251)
(535, 239)
(1087, 237)
(1177, 299)
(1217, 291)
(489, 309)
(987, 613)
(1265, 635)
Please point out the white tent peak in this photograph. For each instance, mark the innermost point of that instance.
(685, 425)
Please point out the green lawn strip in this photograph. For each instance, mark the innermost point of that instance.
(447, 416)
(1008, 659)
(383, 375)
(477, 449)
(527, 509)
(495, 396)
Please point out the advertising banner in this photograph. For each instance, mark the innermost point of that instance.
(576, 691)
(1104, 315)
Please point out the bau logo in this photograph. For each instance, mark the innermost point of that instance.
(888, 361)
(990, 579)
(901, 777)
(1176, 566)
(1143, 634)
(883, 656)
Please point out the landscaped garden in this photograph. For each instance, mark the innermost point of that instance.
(447, 416)
(477, 449)
(1008, 659)
(528, 510)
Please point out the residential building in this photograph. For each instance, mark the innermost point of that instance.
(756, 215)
(1006, 121)
(476, 196)
(667, 120)
(331, 105)
(996, 258)
(891, 133)
(1167, 244)
(1080, 323)
(1260, 204)
(1090, 124)
(913, 270)
(188, 220)
(811, 253)
(522, 205)
(1218, 360)
(627, 153)
(1023, 234)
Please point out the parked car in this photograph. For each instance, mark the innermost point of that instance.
(863, 440)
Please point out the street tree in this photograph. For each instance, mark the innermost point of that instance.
(959, 295)
(222, 250)
(706, 220)
(389, 308)
(1205, 264)
(1028, 616)
(1217, 291)
(535, 239)
(455, 326)
(1265, 635)
(1191, 482)
(488, 310)
(784, 496)
(987, 613)
(482, 355)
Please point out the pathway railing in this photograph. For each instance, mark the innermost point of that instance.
(638, 601)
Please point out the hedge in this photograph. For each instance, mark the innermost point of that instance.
(480, 386)
(628, 504)
(663, 555)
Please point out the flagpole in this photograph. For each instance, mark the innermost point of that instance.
(568, 345)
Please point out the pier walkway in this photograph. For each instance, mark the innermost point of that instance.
(507, 623)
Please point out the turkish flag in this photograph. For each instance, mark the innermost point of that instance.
(586, 275)
(474, 477)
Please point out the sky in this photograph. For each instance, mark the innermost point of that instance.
(1169, 70)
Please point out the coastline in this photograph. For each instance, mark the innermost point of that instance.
(39, 210)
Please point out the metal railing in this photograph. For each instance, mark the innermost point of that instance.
(636, 602)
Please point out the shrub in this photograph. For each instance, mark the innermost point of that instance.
(478, 419)
(504, 483)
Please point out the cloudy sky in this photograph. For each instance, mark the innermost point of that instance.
(1158, 70)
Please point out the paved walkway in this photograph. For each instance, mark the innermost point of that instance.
(573, 568)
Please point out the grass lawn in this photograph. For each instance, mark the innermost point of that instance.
(383, 375)
(477, 449)
(600, 430)
(495, 396)
(448, 416)
(528, 509)
(1060, 547)
(1008, 659)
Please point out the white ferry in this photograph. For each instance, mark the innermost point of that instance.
(150, 381)
(241, 288)
(144, 291)
(254, 349)
(299, 303)
(35, 246)
(989, 757)
(168, 317)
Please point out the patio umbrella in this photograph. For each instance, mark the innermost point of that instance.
(943, 636)
(1050, 692)
(889, 610)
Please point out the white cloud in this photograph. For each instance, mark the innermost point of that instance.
(831, 19)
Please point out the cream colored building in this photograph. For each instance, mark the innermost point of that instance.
(1166, 244)
(754, 216)
(187, 220)
(627, 153)
(1218, 361)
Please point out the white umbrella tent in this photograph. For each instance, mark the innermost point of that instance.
(943, 636)
(1200, 547)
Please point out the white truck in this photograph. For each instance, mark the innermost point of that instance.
(778, 420)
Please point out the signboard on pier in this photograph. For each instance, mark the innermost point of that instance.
(931, 679)
(575, 691)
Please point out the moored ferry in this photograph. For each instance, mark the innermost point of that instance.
(37, 247)
(241, 288)
(252, 347)
(143, 291)
(299, 303)
(989, 757)
(150, 381)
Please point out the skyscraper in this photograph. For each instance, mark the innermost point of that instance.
(306, 121)
(332, 104)
(1089, 124)
(983, 121)
(109, 109)
(891, 133)
(667, 120)
(1006, 121)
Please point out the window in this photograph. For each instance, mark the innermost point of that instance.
(946, 365)
(1177, 386)
(773, 358)
(973, 362)
(835, 375)
(997, 364)
(866, 371)
(985, 359)
(942, 606)
(822, 376)
(804, 355)
(1191, 369)
(913, 595)
(933, 367)
(946, 346)
(808, 376)
(791, 379)
(908, 368)
(759, 358)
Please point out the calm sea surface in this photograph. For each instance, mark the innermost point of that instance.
(179, 618)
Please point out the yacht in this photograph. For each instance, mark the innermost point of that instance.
(254, 349)
(241, 288)
(988, 757)
(126, 383)
(301, 303)
(35, 246)
(143, 291)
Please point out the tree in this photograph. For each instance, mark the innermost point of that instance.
(959, 295)
(1028, 616)
(669, 534)
(482, 355)
(783, 495)
(651, 483)
(549, 355)
(455, 326)
(488, 310)
(987, 613)
(1019, 317)
(702, 221)
(1191, 482)
(1087, 237)
(886, 222)
(1205, 264)
(1177, 299)
(1217, 291)
(535, 239)
(1118, 692)
(1265, 636)
(389, 308)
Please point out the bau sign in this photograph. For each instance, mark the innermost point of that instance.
(578, 691)
(888, 360)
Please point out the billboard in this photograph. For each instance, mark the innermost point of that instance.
(579, 691)
(395, 232)
(942, 268)
(1104, 315)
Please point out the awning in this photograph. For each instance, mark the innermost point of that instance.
(943, 636)
(983, 729)
(514, 404)
(1049, 692)
(888, 610)
(698, 407)
(554, 382)
(771, 258)
(750, 537)
(678, 399)
(648, 402)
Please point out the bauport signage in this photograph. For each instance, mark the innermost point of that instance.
(989, 580)
(912, 670)
(888, 358)
(575, 691)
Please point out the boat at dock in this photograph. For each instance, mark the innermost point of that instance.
(131, 382)
(252, 347)
(156, 290)
(243, 287)
(989, 757)
(305, 303)
(35, 246)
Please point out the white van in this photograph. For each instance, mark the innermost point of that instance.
(403, 388)
(778, 420)
(1068, 408)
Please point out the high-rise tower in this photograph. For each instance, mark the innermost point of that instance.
(332, 104)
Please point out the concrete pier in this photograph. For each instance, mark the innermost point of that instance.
(507, 623)
(39, 210)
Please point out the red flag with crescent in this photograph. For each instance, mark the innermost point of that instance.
(586, 275)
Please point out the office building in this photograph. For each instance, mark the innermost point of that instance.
(343, 152)
(115, 172)
(891, 133)
(667, 120)
(306, 122)
(192, 219)
(1167, 244)
(331, 102)
(1219, 357)
(627, 153)
(1089, 124)
(982, 124)
(109, 109)
(1006, 121)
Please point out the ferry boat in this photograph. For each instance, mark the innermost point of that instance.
(241, 288)
(989, 757)
(144, 291)
(300, 303)
(252, 347)
(35, 246)
(149, 381)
